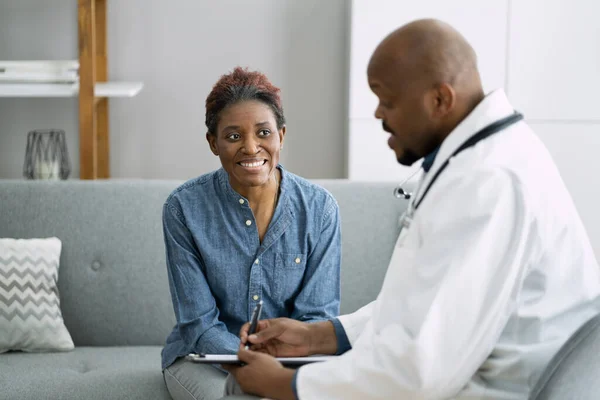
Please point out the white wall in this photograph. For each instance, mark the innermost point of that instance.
(483, 23)
(554, 79)
(179, 48)
(546, 55)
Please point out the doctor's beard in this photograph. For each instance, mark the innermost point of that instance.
(407, 158)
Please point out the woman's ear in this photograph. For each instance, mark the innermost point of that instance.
(281, 136)
(212, 143)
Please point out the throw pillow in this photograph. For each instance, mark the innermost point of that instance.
(30, 316)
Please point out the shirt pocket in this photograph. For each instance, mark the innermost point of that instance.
(289, 271)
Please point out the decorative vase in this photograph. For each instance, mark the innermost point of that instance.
(46, 156)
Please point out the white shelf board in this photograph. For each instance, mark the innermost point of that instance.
(40, 65)
(38, 90)
(117, 89)
(102, 89)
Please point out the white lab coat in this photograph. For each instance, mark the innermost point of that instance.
(493, 275)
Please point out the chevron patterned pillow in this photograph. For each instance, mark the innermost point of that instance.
(30, 316)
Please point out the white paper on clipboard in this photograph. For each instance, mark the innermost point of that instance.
(233, 359)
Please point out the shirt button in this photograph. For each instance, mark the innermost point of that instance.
(248, 222)
(297, 260)
(256, 261)
(255, 297)
(242, 201)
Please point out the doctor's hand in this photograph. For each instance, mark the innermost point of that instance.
(263, 376)
(284, 337)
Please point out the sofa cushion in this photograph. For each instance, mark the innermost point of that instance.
(113, 278)
(573, 372)
(30, 316)
(370, 217)
(85, 373)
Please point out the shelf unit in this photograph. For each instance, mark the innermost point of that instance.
(101, 89)
(93, 90)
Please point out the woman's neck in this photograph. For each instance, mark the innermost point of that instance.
(263, 201)
(264, 194)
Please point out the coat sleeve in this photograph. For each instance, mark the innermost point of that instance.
(355, 323)
(459, 288)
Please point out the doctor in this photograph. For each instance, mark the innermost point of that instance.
(492, 272)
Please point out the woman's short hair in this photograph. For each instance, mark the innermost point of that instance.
(241, 85)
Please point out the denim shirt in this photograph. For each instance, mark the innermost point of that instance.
(219, 270)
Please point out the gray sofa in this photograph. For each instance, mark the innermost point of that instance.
(115, 299)
(113, 283)
(574, 371)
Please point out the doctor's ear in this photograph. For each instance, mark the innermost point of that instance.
(443, 100)
(212, 143)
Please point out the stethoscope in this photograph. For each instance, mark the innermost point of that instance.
(399, 192)
(487, 131)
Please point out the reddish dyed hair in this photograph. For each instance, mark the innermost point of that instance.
(242, 85)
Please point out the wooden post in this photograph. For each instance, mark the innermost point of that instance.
(103, 145)
(88, 145)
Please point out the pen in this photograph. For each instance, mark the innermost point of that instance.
(254, 321)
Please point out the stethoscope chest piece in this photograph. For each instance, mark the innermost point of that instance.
(400, 193)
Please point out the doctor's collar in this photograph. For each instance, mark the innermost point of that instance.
(429, 159)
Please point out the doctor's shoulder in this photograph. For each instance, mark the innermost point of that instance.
(472, 184)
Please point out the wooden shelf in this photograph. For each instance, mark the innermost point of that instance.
(92, 90)
(101, 89)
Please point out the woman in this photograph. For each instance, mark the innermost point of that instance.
(249, 231)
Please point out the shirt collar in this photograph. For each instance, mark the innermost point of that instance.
(493, 107)
(429, 160)
(233, 195)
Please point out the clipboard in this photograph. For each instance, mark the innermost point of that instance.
(233, 359)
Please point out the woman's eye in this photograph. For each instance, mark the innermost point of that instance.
(264, 132)
(233, 136)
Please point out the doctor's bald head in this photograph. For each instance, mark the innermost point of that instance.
(426, 79)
